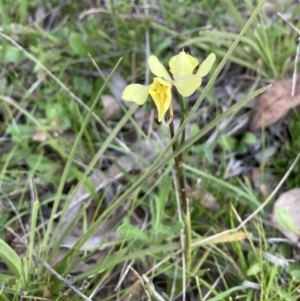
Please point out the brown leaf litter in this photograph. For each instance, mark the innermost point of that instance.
(275, 103)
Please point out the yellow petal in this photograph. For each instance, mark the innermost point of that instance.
(206, 65)
(187, 85)
(182, 64)
(160, 91)
(157, 67)
(136, 93)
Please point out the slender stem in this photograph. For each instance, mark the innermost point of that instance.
(184, 199)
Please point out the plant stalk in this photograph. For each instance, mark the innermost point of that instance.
(184, 199)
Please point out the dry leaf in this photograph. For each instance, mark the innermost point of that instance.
(275, 103)
(289, 222)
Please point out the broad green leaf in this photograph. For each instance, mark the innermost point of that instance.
(10, 258)
(249, 138)
(241, 149)
(254, 269)
(82, 85)
(79, 46)
(10, 54)
(41, 163)
(4, 277)
(19, 131)
(227, 143)
(294, 270)
(208, 153)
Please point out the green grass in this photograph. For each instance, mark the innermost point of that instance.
(56, 148)
(288, 151)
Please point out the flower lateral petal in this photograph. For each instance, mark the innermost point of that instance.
(206, 65)
(187, 85)
(160, 92)
(136, 93)
(182, 64)
(157, 68)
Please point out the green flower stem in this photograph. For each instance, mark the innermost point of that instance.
(184, 199)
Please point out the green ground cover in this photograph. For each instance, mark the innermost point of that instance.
(90, 205)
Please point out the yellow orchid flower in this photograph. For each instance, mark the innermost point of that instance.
(182, 67)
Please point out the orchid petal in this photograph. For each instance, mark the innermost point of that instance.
(136, 93)
(188, 84)
(160, 92)
(157, 68)
(182, 64)
(206, 65)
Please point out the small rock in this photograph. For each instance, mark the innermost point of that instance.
(289, 204)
